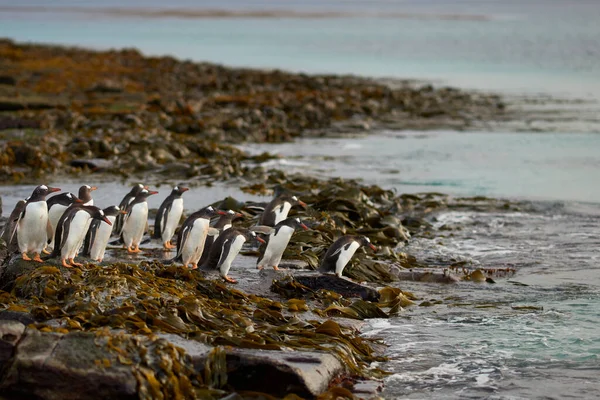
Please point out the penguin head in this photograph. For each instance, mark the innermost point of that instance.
(40, 193)
(251, 235)
(365, 241)
(209, 211)
(137, 188)
(179, 190)
(294, 223)
(85, 192)
(230, 214)
(97, 213)
(112, 211)
(295, 201)
(145, 193)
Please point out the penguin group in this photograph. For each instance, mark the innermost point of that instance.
(65, 226)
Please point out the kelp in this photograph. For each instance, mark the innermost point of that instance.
(149, 298)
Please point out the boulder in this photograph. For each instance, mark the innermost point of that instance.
(342, 286)
(278, 373)
(85, 365)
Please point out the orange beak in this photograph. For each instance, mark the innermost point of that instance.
(183, 189)
(260, 239)
(304, 227)
(53, 189)
(372, 247)
(303, 204)
(107, 221)
(93, 188)
(150, 193)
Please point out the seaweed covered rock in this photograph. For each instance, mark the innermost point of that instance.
(132, 113)
(151, 298)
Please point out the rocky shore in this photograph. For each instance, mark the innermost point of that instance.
(135, 328)
(63, 110)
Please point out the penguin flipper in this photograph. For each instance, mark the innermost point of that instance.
(161, 219)
(182, 239)
(90, 237)
(213, 231)
(224, 253)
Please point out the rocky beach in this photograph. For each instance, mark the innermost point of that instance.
(138, 328)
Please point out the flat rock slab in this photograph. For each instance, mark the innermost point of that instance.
(339, 285)
(84, 365)
(49, 365)
(278, 372)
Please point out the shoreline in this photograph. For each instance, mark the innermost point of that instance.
(152, 329)
(118, 100)
(73, 112)
(203, 13)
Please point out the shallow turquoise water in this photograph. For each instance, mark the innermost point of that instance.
(532, 46)
(549, 166)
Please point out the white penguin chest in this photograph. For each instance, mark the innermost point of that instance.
(279, 241)
(138, 217)
(102, 237)
(104, 230)
(171, 219)
(31, 229)
(197, 235)
(282, 211)
(76, 232)
(36, 212)
(344, 256)
(228, 257)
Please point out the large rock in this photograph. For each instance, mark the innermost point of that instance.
(87, 365)
(10, 334)
(74, 366)
(271, 371)
(339, 285)
(305, 374)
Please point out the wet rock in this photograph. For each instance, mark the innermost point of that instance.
(338, 285)
(26, 103)
(10, 335)
(305, 374)
(426, 276)
(11, 268)
(7, 80)
(22, 317)
(53, 366)
(93, 164)
(106, 86)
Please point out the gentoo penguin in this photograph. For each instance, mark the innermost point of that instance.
(278, 239)
(341, 251)
(222, 224)
(59, 203)
(98, 235)
(8, 234)
(136, 221)
(135, 190)
(168, 216)
(71, 230)
(226, 248)
(277, 210)
(32, 228)
(192, 236)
